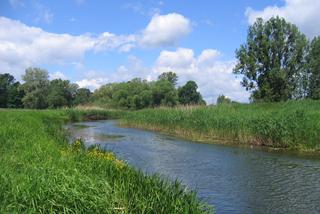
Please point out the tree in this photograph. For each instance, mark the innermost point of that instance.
(272, 60)
(188, 94)
(314, 68)
(223, 99)
(10, 92)
(61, 93)
(169, 76)
(82, 96)
(164, 93)
(36, 88)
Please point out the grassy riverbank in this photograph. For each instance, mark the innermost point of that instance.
(41, 173)
(293, 125)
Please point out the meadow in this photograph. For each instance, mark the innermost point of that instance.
(41, 172)
(290, 125)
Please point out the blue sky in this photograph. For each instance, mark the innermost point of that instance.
(95, 42)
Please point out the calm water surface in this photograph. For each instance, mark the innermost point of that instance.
(233, 179)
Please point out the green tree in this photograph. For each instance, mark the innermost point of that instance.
(61, 93)
(36, 88)
(314, 68)
(146, 98)
(10, 92)
(223, 99)
(82, 96)
(104, 95)
(169, 76)
(164, 93)
(272, 60)
(188, 94)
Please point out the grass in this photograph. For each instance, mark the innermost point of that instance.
(292, 125)
(41, 173)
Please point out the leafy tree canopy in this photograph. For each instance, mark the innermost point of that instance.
(169, 76)
(188, 94)
(271, 61)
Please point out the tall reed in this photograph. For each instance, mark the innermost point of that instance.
(294, 125)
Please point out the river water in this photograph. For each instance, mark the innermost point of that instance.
(232, 179)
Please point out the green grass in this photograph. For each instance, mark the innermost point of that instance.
(41, 173)
(293, 125)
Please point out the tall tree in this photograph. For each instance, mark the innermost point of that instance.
(169, 76)
(272, 60)
(189, 95)
(314, 67)
(36, 88)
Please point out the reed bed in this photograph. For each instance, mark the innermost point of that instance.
(293, 125)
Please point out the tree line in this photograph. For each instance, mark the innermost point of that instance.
(138, 93)
(38, 92)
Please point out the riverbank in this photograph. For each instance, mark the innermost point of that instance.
(292, 125)
(41, 172)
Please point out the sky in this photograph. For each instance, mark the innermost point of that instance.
(96, 42)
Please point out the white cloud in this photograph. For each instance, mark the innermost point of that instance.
(208, 56)
(107, 41)
(303, 13)
(92, 84)
(182, 58)
(165, 30)
(57, 75)
(22, 46)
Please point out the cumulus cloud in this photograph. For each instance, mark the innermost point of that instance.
(22, 46)
(165, 30)
(303, 13)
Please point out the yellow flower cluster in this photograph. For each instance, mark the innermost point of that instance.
(109, 156)
(77, 143)
(95, 153)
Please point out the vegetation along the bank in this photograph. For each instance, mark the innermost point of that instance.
(41, 173)
(293, 125)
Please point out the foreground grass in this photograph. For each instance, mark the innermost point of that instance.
(294, 125)
(41, 173)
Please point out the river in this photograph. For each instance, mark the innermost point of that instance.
(232, 179)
